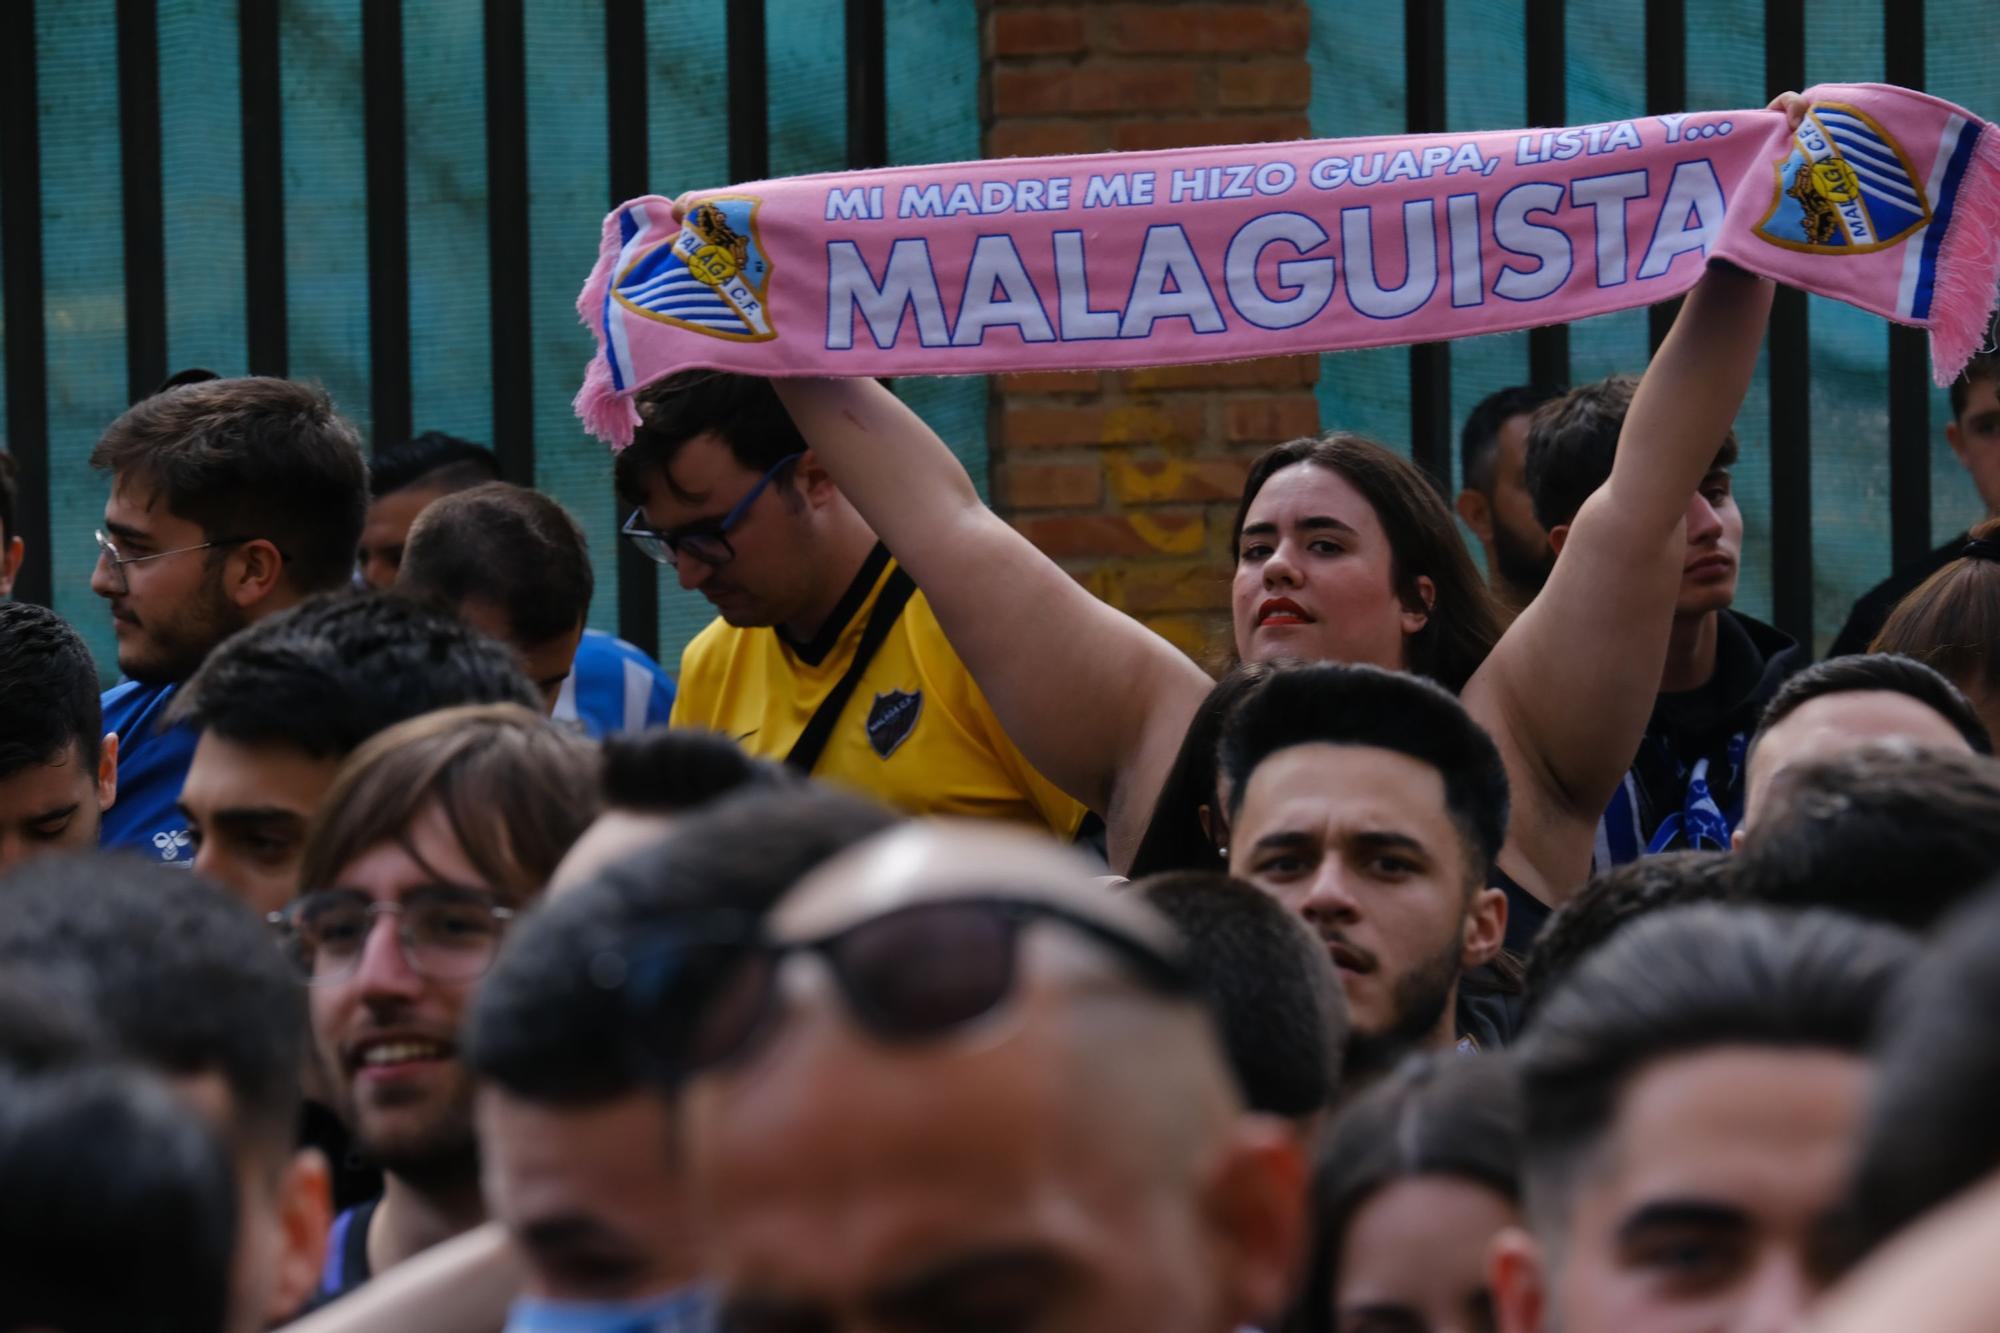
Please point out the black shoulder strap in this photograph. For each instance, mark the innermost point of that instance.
(812, 741)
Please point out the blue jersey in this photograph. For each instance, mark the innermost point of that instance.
(614, 687)
(346, 1266)
(152, 765)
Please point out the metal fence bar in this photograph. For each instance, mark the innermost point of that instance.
(749, 100)
(1909, 358)
(1791, 377)
(1548, 346)
(145, 211)
(508, 273)
(388, 220)
(625, 141)
(1430, 363)
(867, 86)
(26, 343)
(1666, 91)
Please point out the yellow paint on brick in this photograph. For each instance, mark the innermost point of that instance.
(1169, 536)
(1146, 482)
(1139, 423)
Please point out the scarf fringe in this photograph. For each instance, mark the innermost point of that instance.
(1968, 266)
(605, 409)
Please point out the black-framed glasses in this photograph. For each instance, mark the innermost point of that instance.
(707, 542)
(116, 561)
(702, 993)
(448, 932)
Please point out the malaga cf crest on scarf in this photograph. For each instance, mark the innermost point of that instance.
(711, 279)
(1847, 188)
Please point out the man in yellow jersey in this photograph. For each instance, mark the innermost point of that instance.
(823, 654)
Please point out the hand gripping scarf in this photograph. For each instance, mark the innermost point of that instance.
(1884, 198)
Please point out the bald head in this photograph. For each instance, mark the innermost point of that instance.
(936, 859)
(1077, 1007)
(1071, 1151)
(1891, 831)
(1835, 724)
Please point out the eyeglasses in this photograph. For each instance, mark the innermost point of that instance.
(704, 541)
(116, 562)
(703, 993)
(447, 932)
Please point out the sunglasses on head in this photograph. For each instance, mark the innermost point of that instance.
(705, 992)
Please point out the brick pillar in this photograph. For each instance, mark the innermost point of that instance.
(1130, 478)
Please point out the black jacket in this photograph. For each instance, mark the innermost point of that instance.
(1685, 786)
(1872, 608)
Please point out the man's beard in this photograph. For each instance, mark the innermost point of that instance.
(441, 1153)
(171, 650)
(1523, 565)
(1418, 1001)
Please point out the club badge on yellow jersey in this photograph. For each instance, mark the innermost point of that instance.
(892, 718)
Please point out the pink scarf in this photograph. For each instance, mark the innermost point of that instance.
(1884, 198)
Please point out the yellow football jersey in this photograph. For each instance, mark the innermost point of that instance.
(917, 733)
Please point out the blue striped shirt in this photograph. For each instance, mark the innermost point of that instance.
(614, 687)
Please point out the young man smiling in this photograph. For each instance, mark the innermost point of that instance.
(230, 501)
(435, 835)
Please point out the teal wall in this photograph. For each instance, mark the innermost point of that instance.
(1357, 62)
(932, 87)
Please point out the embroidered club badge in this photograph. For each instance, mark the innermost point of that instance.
(1846, 189)
(712, 278)
(892, 718)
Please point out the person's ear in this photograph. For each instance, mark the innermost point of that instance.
(813, 482)
(1557, 536)
(107, 771)
(1956, 439)
(252, 572)
(1518, 1276)
(1736, 836)
(1415, 618)
(1477, 513)
(1254, 1204)
(1485, 928)
(11, 557)
(305, 1215)
(1214, 827)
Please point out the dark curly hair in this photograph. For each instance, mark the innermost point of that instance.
(48, 690)
(329, 673)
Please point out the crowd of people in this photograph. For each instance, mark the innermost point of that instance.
(1553, 949)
